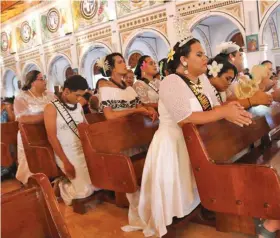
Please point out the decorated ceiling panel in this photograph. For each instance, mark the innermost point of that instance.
(7, 43)
(89, 12)
(126, 7)
(26, 34)
(56, 22)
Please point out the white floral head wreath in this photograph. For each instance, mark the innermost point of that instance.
(227, 47)
(214, 68)
(103, 64)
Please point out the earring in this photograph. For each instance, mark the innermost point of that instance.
(185, 64)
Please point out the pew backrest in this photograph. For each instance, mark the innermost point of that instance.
(224, 140)
(32, 211)
(38, 151)
(103, 145)
(240, 189)
(94, 117)
(9, 133)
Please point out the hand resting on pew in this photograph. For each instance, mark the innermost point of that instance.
(232, 112)
(146, 111)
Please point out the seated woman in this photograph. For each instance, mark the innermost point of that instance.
(168, 188)
(115, 98)
(221, 73)
(163, 71)
(61, 118)
(129, 78)
(7, 112)
(29, 106)
(7, 115)
(147, 86)
(232, 53)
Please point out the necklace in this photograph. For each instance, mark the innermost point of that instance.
(150, 84)
(121, 86)
(39, 99)
(67, 106)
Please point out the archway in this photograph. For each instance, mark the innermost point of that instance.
(215, 29)
(57, 72)
(271, 36)
(10, 85)
(88, 67)
(147, 42)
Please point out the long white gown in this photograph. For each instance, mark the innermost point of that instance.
(27, 105)
(80, 186)
(168, 187)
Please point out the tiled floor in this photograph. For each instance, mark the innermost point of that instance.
(104, 220)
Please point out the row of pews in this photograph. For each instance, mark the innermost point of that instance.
(235, 168)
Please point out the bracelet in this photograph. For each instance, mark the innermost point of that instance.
(249, 102)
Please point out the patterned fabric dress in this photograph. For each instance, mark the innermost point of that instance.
(168, 187)
(26, 105)
(147, 93)
(120, 99)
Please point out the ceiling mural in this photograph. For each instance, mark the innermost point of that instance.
(7, 45)
(56, 22)
(26, 34)
(129, 6)
(89, 12)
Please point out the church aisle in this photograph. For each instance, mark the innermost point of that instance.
(105, 220)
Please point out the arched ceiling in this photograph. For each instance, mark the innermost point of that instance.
(11, 9)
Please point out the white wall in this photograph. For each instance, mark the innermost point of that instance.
(219, 34)
(88, 62)
(56, 75)
(154, 47)
(10, 84)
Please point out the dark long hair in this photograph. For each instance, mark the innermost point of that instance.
(138, 70)
(29, 79)
(163, 67)
(184, 50)
(111, 62)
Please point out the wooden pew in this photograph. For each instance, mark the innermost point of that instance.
(103, 145)
(38, 150)
(9, 133)
(32, 212)
(236, 192)
(94, 117)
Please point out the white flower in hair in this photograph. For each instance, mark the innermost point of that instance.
(227, 47)
(214, 68)
(103, 64)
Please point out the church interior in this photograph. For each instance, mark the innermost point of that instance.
(140, 118)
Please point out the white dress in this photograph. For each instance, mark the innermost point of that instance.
(168, 187)
(80, 186)
(146, 93)
(26, 105)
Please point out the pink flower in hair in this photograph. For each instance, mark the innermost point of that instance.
(144, 65)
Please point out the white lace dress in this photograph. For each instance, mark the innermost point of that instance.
(168, 187)
(26, 105)
(146, 93)
(80, 186)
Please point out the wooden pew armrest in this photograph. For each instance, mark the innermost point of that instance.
(112, 172)
(42, 181)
